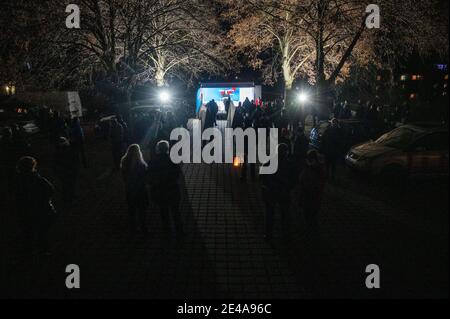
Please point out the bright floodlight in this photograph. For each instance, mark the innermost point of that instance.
(303, 97)
(164, 96)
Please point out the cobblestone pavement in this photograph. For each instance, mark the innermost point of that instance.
(404, 231)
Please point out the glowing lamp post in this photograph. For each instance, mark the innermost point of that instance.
(303, 98)
(164, 97)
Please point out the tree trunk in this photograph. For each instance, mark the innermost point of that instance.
(287, 92)
(159, 77)
(288, 80)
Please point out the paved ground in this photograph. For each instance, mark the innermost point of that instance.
(404, 231)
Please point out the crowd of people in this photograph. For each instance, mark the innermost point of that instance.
(157, 179)
(298, 167)
(30, 193)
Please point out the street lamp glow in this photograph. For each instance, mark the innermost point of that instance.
(164, 96)
(303, 97)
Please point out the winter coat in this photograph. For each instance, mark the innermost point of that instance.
(134, 177)
(33, 195)
(163, 176)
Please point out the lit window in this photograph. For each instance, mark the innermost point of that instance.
(404, 78)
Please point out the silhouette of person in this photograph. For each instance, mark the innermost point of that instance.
(211, 114)
(134, 170)
(331, 147)
(276, 191)
(57, 128)
(76, 138)
(35, 211)
(163, 176)
(312, 184)
(227, 104)
(12, 147)
(66, 167)
(301, 146)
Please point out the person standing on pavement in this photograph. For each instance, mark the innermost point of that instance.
(211, 114)
(276, 192)
(285, 138)
(66, 167)
(227, 104)
(301, 146)
(312, 184)
(248, 123)
(337, 109)
(35, 211)
(76, 138)
(237, 120)
(134, 170)
(331, 147)
(57, 128)
(163, 178)
(13, 146)
(345, 113)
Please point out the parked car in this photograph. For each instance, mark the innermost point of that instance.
(353, 131)
(405, 151)
(29, 127)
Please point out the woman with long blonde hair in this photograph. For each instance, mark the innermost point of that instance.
(134, 169)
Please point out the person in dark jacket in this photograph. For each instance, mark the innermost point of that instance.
(66, 167)
(57, 128)
(211, 114)
(238, 119)
(134, 170)
(76, 138)
(276, 191)
(35, 211)
(301, 146)
(163, 176)
(12, 147)
(227, 104)
(345, 113)
(332, 147)
(285, 138)
(248, 123)
(337, 108)
(247, 105)
(312, 184)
